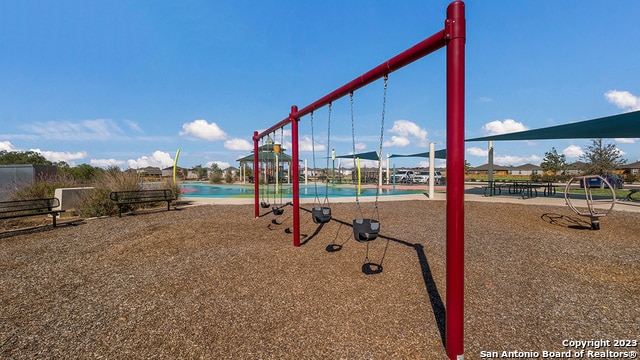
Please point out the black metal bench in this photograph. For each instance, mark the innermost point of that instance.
(122, 198)
(31, 207)
(631, 192)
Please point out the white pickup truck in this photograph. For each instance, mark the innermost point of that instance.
(403, 176)
(423, 177)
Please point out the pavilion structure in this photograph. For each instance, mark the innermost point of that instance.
(274, 164)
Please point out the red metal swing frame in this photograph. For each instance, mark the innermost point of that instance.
(453, 37)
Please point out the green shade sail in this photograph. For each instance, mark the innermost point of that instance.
(371, 155)
(625, 125)
(438, 154)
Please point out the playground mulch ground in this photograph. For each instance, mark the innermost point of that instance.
(212, 282)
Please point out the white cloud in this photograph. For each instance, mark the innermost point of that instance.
(573, 151)
(503, 127)
(361, 146)
(238, 144)
(406, 129)
(105, 163)
(623, 99)
(221, 164)
(133, 126)
(626, 141)
(506, 160)
(304, 144)
(202, 129)
(399, 141)
(438, 163)
(476, 151)
(86, 130)
(7, 146)
(57, 156)
(158, 159)
(485, 99)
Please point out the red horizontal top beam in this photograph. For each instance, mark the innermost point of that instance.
(420, 50)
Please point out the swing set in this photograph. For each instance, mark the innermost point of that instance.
(270, 156)
(453, 38)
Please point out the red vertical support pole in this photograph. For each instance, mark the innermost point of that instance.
(455, 34)
(256, 176)
(295, 172)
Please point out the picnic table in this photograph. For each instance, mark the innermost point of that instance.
(526, 188)
(493, 188)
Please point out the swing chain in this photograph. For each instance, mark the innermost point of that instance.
(313, 151)
(326, 187)
(353, 143)
(384, 106)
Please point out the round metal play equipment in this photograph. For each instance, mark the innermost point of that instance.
(591, 211)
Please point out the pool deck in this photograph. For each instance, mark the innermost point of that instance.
(473, 192)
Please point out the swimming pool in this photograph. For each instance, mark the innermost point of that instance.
(200, 190)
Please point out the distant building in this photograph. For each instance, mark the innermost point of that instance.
(150, 171)
(575, 168)
(13, 177)
(526, 169)
(633, 168)
(484, 170)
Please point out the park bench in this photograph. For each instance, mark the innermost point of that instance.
(30, 207)
(131, 197)
(631, 192)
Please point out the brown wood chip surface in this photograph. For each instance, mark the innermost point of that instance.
(212, 282)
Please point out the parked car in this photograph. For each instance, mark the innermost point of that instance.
(403, 176)
(423, 177)
(614, 180)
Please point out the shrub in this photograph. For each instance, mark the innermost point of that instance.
(228, 176)
(43, 187)
(168, 183)
(97, 203)
(216, 176)
(630, 178)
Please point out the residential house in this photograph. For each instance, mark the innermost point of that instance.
(526, 169)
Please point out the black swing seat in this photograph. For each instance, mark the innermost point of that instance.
(264, 205)
(277, 210)
(321, 215)
(365, 229)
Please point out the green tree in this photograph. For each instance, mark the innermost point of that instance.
(200, 171)
(216, 174)
(82, 173)
(601, 158)
(228, 176)
(248, 172)
(554, 162)
(22, 157)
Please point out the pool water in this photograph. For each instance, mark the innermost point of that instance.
(306, 191)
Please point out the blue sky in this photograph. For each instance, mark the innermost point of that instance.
(127, 83)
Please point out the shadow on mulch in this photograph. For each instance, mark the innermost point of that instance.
(38, 228)
(372, 268)
(566, 221)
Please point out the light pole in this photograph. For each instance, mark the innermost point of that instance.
(333, 166)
